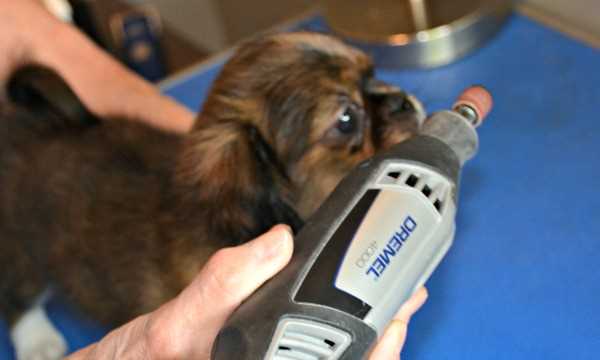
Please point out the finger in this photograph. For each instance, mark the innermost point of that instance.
(190, 322)
(390, 344)
(392, 341)
(412, 305)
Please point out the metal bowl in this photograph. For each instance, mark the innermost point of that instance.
(416, 33)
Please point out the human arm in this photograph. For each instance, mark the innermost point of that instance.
(29, 34)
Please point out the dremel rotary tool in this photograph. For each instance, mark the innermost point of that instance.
(366, 250)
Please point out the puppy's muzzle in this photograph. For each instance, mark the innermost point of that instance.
(396, 107)
(401, 104)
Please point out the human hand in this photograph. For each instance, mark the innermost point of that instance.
(24, 26)
(186, 327)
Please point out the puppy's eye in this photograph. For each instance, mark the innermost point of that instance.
(347, 121)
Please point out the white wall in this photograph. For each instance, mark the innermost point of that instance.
(199, 21)
(581, 14)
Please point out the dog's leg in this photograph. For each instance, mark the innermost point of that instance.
(21, 283)
(35, 338)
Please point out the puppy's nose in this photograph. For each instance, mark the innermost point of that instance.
(398, 102)
(399, 105)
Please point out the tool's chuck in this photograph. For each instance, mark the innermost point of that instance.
(475, 104)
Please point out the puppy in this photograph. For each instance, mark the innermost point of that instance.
(119, 216)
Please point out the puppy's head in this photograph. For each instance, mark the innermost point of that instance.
(315, 106)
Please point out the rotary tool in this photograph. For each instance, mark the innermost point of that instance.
(374, 242)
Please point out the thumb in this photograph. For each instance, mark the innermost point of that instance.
(233, 274)
(188, 324)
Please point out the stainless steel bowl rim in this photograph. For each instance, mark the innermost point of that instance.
(433, 33)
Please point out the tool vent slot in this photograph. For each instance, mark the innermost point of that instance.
(412, 180)
(394, 174)
(299, 339)
(430, 185)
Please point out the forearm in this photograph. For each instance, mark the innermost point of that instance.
(105, 86)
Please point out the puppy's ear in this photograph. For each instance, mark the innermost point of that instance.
(44, 93)
(237, 179)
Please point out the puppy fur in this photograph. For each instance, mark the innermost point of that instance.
(119, 216)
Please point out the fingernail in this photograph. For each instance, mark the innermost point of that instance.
(276, 242)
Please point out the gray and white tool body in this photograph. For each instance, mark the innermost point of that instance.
(369, 247)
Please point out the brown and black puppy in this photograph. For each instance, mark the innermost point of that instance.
(119, 216)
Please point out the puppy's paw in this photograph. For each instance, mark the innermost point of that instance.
(35, 338)
(44, 349)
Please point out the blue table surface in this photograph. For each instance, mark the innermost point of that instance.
(522, 280)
